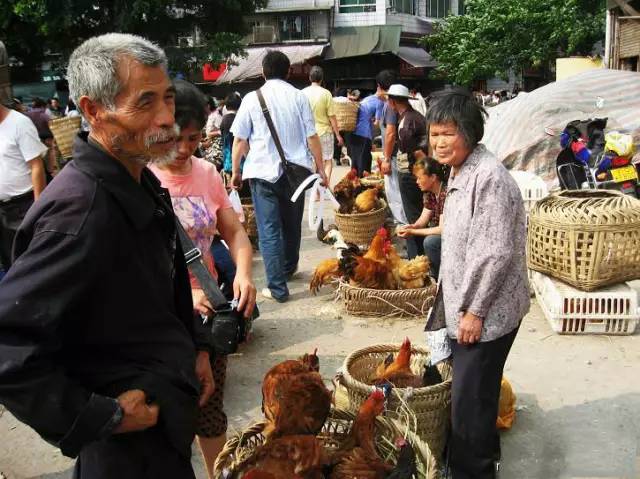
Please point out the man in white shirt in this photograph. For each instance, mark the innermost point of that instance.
(22, 177)
(279, 220)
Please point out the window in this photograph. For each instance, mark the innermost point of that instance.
(438, 8)
(357, 6)
(405, 6)
(294, 27)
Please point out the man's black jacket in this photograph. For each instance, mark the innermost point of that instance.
(98, 302)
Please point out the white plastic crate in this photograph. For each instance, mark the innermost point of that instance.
(612, 310)
(532, 187)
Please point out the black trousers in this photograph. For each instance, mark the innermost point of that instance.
(474, 444)
(359, 148)
(138, 455)
(12, 213)
(413, 205)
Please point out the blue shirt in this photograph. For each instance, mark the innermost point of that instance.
(293, 120)
(370, 110)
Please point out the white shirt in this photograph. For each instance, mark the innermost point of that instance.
(19, 144)
(293, 119)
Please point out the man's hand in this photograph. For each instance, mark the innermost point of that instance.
(324, 181)
(385, 167)
(469, 329)
(200, 303)
(236, 181)
(245, 292)
(205, 376)
(138, 415)
(340, 140)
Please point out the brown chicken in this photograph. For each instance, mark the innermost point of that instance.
(358, 456)
(368, 270)
(289, 457)
(295, 399)
(408, 274)
(397, 371)
(346, 190)
(368, 200)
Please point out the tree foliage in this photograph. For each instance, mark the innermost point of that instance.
(32, 27)
(494, 36)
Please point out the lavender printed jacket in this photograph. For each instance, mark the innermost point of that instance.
(483, 266)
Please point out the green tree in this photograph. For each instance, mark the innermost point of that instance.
(494, 36)
(31, 27)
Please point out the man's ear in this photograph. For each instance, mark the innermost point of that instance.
(90, 110)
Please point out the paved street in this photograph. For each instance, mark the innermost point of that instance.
(578, 397)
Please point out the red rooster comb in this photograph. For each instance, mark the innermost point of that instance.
(382, 232)
(377, 395)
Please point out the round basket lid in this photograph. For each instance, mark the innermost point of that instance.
(588, 207)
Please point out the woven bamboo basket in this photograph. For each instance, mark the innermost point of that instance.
(372, 182)
(429, 406)
(360, 228)
(64, 131)
(386, 303)
(346, 114)
(587, 239)
(237, 452)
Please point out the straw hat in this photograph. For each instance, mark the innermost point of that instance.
(399, 91)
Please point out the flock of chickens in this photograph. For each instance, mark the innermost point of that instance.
(355, 197)
(296, 404)
(380, 267)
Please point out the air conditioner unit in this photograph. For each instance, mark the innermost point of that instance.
(185, 42)
(264, 34)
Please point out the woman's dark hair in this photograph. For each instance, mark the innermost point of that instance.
(385, 79)
(212, 103)
(38, 103)
(431, 167)
(71, 105)
(457, 106)
(190, 105)
(233, 101)
(275, 65)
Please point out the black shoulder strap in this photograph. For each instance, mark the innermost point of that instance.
(272, 128)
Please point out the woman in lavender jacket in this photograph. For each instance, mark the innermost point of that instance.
(483, 291)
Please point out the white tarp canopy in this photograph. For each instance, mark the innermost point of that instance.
(417, 57)
(251, 66)
(525, 132)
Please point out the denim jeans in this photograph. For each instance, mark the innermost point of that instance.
(225, 267)
(412, 203)
(279, 224)
(432, 249)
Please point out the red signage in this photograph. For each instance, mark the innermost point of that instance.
(212, 74)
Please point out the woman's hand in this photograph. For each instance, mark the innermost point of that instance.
(205, 376)
(200, 303)
(469, 329)
(385, 167)
(245, 292)
(406, 231)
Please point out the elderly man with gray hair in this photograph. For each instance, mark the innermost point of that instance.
(100, 351)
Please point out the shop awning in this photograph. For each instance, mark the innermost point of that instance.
(251, 66)
(416, 57)
(357, 41)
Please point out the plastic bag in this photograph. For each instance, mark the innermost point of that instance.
(319, 191)
(507, 406)
(392, 190)
(234, 197)
(439, 344)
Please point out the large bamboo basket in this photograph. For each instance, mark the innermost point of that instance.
(386, 303)
(64, 131)
(346, 114)
(587, 239)
(429, 406)
(250, 224)
(236, 453)
(360, 228)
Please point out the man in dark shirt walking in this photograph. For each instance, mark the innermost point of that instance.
(99, 349)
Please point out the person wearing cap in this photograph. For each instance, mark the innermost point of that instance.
(412, 146)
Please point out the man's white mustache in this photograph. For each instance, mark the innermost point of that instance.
(166, 134)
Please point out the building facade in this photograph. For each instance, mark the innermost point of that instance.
(622, 45)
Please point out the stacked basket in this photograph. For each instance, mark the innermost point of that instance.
(424, 410)
(239, 450)
(360, 228)
(386, 303)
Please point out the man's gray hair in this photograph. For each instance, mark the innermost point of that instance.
(93, 66)
(316, 74)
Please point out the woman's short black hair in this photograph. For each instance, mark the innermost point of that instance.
(431, 167)
(191, 105)
(275, 65)
(457, 106)
(233, 101)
